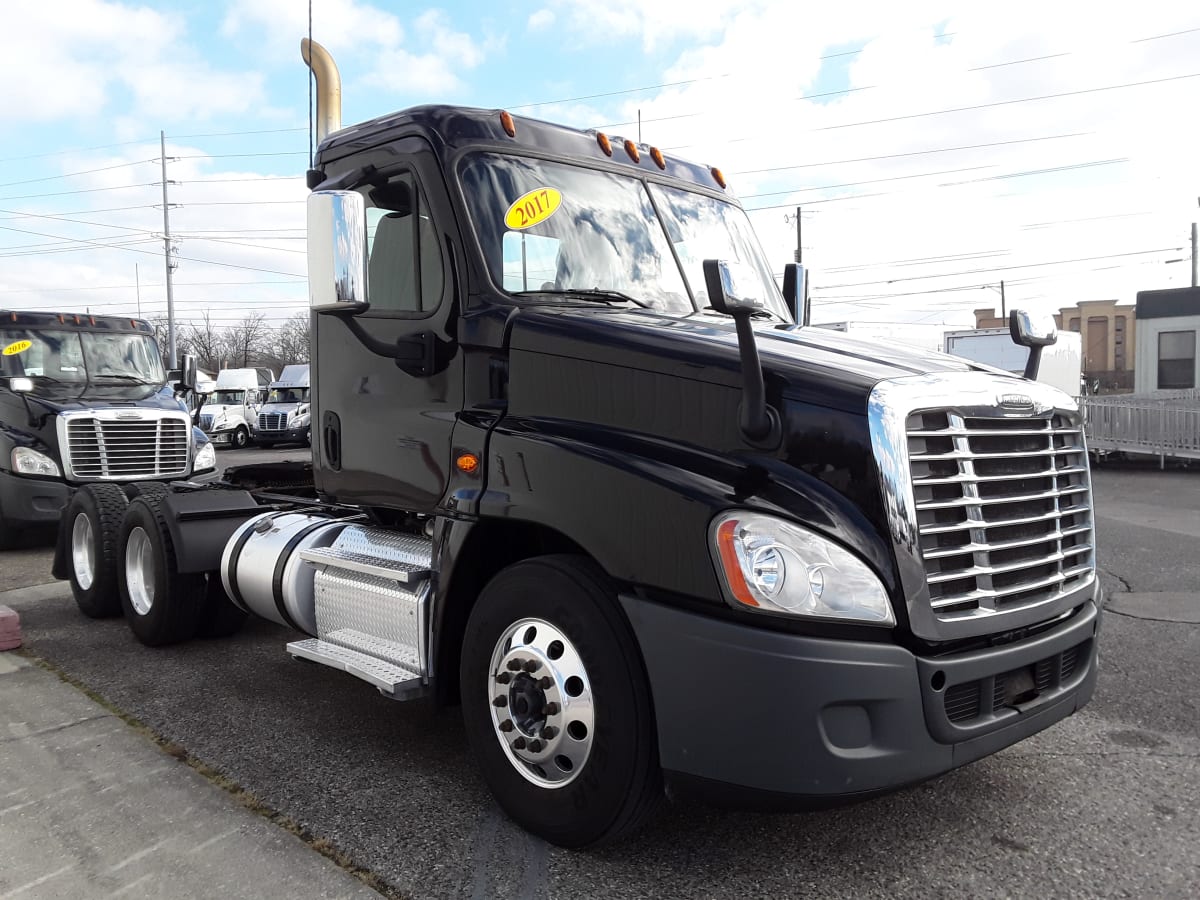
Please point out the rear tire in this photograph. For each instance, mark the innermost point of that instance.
(570, 753)
(93, 523)
(161, 605)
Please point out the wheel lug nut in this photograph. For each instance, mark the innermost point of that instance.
(514, 665)
(506, 725)
(504, 678)
(546, 683)
(533, 665)
(549, 732)
(500, 701)
(550, 709)
(535, 746)
(519, 744)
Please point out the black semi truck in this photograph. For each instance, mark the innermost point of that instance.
(577, 466)
(84, 399)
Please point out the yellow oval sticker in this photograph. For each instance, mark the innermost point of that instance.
(18, 347)
(533, 208)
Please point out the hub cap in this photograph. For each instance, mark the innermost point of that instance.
(139, 571)
(82, 551)
(541, 703)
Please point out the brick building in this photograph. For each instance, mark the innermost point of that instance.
(1107, 332)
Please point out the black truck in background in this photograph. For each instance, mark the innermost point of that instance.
(576, 466)
(84, 399)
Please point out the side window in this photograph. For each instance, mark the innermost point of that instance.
(404, 262)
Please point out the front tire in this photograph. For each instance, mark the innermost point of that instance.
(556, 703)
(93, 522)
(161, 605)
(241, 438)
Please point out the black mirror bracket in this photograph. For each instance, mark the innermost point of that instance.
(759, 422)
(416, 354)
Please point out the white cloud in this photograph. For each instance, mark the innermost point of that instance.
(541, 20)
(82, 53)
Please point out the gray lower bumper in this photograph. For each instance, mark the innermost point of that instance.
(815, 719)
(31, 501)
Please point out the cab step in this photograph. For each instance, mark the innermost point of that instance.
(391, 569)
(391, 680)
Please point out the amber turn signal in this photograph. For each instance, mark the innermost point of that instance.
(467, 462)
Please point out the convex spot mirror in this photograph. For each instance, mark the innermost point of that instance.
(337, 252)
(730, 288)
(1032, 329)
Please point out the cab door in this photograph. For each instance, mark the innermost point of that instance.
(382, 427)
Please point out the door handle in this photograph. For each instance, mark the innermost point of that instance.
(331, 439)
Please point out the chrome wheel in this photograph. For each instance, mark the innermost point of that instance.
(139, 571)
(541, 702)
(83, 551)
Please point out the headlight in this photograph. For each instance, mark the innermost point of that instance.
(30, 462)
(776, 566)
(206, 458)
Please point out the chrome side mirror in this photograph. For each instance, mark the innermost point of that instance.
(727, 283)
(19, 384)
(795, 293)
(1032, 330)
(337, 252)
(187, 378)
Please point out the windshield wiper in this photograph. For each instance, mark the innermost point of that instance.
(133, 378)
(592, 295)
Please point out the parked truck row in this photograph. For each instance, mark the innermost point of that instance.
(579, 466)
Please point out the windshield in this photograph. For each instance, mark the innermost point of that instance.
(79, 357)
(288, 395)
(225, 398)
(553, 227)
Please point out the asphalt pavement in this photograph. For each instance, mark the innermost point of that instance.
(1103, 804)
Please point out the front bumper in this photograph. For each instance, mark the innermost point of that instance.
(765, 718)
(31, 501)
(280, 435)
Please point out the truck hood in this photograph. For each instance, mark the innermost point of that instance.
(287, 408)
(71, 398)
(815, 364)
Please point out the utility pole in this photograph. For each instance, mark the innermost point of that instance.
(137, 282)
(172, 362)
(799, 237)
(1194, 270)
(1003, 308)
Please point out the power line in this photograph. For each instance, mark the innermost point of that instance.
(75, 221)
(123, 287)
(829, 187)
(119, 187)
(125, 165)
(181, 137)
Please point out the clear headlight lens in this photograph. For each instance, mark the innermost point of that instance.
(30, 462)
(206, 458)
(777, 566)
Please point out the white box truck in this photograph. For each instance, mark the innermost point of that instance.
(1061, 365)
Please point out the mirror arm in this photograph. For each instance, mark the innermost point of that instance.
(1033, 363)
(758, 421)
(416, 352)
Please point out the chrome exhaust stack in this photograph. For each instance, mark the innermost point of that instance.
(329, 87)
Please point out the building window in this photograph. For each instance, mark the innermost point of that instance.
(1119, 343)
(1176, 359)
(1074, 326)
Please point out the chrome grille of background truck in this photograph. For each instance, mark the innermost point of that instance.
(117, 445)
(986, 484)
(272, 421)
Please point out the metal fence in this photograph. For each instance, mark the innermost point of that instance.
(1165, 424)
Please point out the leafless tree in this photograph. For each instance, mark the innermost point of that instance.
(292, 339)
(207, 341)
(246, 341)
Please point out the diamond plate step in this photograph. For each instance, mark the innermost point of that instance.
(391, 680)
(391, 569)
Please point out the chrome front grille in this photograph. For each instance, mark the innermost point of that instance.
(113, 446)
(1003, 509)
(272, 421)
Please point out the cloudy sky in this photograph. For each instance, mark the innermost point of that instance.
(933, 148)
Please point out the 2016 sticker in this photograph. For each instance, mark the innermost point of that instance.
(533, 208)
(18, 347)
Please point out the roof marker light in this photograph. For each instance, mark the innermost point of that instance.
(605, 143)
(656, 155)
(510, 127)
(632, 150)
(717, 176)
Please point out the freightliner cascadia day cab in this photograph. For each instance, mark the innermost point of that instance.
(84, 399)
(576, 466)
(230, 411)
(286, 415)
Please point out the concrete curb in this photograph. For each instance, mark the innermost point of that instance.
(46, 591)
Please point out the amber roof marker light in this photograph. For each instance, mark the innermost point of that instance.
(510, 127)
(718, 177)
(657, 156)
(632, 150)
(605, 143)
